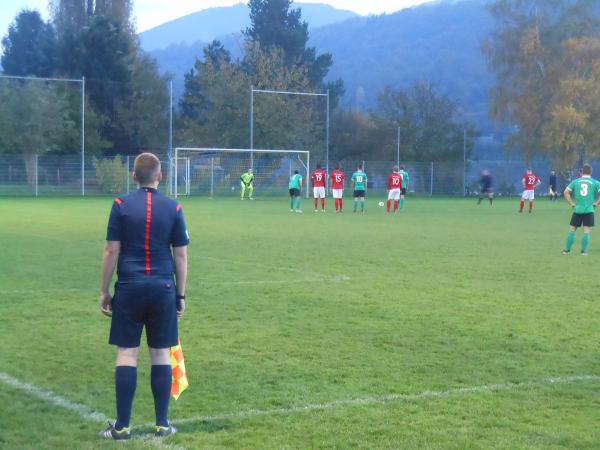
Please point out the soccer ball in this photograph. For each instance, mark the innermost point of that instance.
(380, 204)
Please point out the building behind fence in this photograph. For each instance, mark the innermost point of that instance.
(218, 175)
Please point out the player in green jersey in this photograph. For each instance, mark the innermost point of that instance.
(359, 181)
(247, 182)
(404, 175)
(295, 187)
(582, 195)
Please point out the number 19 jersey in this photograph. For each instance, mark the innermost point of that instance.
(584, 192)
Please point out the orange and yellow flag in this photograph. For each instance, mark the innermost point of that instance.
(180, 381)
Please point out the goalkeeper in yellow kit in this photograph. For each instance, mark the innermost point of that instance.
(247, 182)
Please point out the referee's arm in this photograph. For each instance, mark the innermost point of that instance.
(180, 256)
(109, 263)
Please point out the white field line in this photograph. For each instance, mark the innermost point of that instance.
(83, 411)
(374, 400)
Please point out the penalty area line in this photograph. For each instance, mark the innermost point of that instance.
(82, 411)
(390, 398)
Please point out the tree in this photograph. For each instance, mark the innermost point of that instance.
(34, 120)
(528, 54)
(275, 25)
(430, 124)
(29, 46)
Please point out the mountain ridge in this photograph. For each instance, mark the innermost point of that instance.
(210, 23)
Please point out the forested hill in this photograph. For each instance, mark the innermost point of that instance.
(437, 42)
(211, 23)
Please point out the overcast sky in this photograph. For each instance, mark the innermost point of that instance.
(151, 13)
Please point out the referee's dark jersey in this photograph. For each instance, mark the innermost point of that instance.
(147, 224)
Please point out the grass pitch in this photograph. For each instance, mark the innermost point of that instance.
(339, 312)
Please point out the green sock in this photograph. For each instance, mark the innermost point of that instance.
(355, 205)
(362, 205)
(401, 203)
(298, 203)
(291, 202)
(585, 242)
(570, 240)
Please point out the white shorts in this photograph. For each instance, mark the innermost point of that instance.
(528, 194)
(319, 192)
(394, 194)
(337, 193)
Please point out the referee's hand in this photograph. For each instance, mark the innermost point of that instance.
(180, 308)
(105, 303)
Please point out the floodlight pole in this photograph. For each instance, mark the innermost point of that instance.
(398, 150)
(327, 144)
(464, 162)
(252, 127)
(83, 136)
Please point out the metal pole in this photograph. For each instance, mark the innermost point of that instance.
(83, 136)
(128, 173)
(175, 176)
(327, 144)
(252, 126)
(464, 162)
(431, 181)
(212, 177)
(398, 155)
(171, 135)
(307, 172)
(36, 175)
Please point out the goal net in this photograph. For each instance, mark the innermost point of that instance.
(216, 172)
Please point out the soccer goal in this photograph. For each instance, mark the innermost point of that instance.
(216, 172)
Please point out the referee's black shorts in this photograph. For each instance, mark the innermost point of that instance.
(146, 303)
(587, 220)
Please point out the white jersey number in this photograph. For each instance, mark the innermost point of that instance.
(584, 190)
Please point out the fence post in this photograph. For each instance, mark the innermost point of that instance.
(212, 177)
(431, 181)
(36, 176)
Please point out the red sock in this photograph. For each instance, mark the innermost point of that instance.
(389, 203)
(395, 205)
(341, 204)
(521, 206)
(322, 203)
(336, 204)
(316, 202)
(530, 206)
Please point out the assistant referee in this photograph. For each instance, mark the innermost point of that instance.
(147, 241)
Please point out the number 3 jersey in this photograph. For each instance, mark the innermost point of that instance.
(584, 191)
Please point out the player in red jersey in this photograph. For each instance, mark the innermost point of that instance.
(530, 182)
(394, 186)
(318, 178)
(337, 178)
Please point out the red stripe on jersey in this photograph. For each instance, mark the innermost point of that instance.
(118, 201)
(147, 234)
(178, 207)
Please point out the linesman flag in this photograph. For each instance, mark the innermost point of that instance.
(179, 382)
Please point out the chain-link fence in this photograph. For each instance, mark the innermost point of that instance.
(218, 175)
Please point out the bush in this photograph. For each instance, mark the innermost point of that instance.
(111, 174)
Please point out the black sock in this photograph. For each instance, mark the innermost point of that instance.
(160, 380)
(125, 382)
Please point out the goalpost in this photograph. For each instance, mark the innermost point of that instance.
(213, 170)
